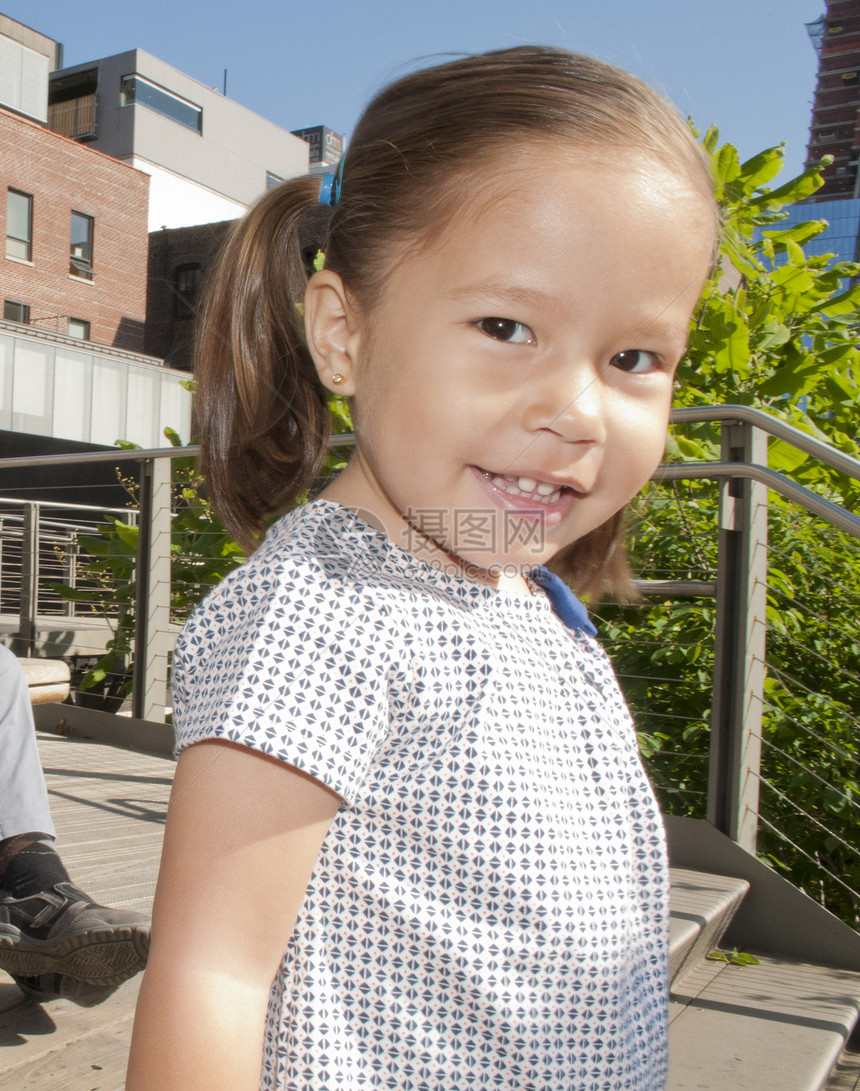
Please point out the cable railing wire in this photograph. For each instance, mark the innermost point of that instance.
(782, 836)
(849, 799)
(777, 667)
(779, 674)
(810, 817)
(810, 613)
(780, 714)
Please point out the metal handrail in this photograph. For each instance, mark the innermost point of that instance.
(775, 427)
(826, 509)
(737, 588)
(62, 505)
(117, 454)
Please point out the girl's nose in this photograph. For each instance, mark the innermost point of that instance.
(571, 404)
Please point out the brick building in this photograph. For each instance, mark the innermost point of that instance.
(75, 223)
(835, 130)
(179, 261)
(835, 125)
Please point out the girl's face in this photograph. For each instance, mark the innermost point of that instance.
(511, 389)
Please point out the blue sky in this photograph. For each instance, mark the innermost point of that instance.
(746, 65)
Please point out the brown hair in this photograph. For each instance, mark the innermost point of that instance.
(420, 145)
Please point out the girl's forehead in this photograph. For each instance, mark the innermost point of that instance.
(535, 182)
(578, 188)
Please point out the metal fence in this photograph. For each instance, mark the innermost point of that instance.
(38, 552)
(743, 669)
(741, 663)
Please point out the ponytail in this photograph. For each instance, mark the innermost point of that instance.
(263, 410)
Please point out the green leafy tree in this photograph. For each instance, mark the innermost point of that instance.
(202, 553)
(776, 329)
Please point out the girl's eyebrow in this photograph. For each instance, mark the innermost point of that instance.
(485, 291)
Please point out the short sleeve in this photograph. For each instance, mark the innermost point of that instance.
(285, 661)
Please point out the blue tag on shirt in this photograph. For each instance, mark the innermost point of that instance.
(566, 605)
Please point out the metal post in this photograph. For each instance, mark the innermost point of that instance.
(29, 601)
(152, 598)
(73, 552)
(739, 661)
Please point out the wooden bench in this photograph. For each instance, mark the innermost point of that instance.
(48, 679)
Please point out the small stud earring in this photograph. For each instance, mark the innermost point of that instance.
(337, 378)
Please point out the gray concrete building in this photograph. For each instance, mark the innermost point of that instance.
(61, 389)
(208, 156)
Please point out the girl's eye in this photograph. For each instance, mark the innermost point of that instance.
(635, 361)
(506, 329)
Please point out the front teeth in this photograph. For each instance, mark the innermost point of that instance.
(528, 487)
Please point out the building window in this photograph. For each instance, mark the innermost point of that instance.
(186, 281)
(81, 249)
(16, 312)
(137, 90)
(79, 328)
(19, 224)
(272, 180)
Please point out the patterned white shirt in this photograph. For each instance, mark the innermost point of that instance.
(490, 906)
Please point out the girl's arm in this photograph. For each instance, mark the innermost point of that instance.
(243, 834)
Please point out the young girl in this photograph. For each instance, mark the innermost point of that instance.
(410, 843)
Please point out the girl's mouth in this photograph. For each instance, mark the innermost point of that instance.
(528, 497)
(544, 492)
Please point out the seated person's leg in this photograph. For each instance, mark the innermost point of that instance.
(23, 795)
(54, 939)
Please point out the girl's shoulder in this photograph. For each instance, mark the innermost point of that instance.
(289, 648)
(322, 546)
(317, 561)
(309, 542)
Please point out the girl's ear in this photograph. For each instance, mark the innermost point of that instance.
(331, 329)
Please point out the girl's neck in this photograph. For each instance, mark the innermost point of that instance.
(405, 533)
(442, 557)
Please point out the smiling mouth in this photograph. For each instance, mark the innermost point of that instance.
(528, 488)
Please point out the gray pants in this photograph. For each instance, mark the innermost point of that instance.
(23, 795)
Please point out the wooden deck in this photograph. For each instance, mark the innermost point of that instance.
(109, 807)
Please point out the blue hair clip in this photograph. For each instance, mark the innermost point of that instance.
(330, 186)
(327, 186)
